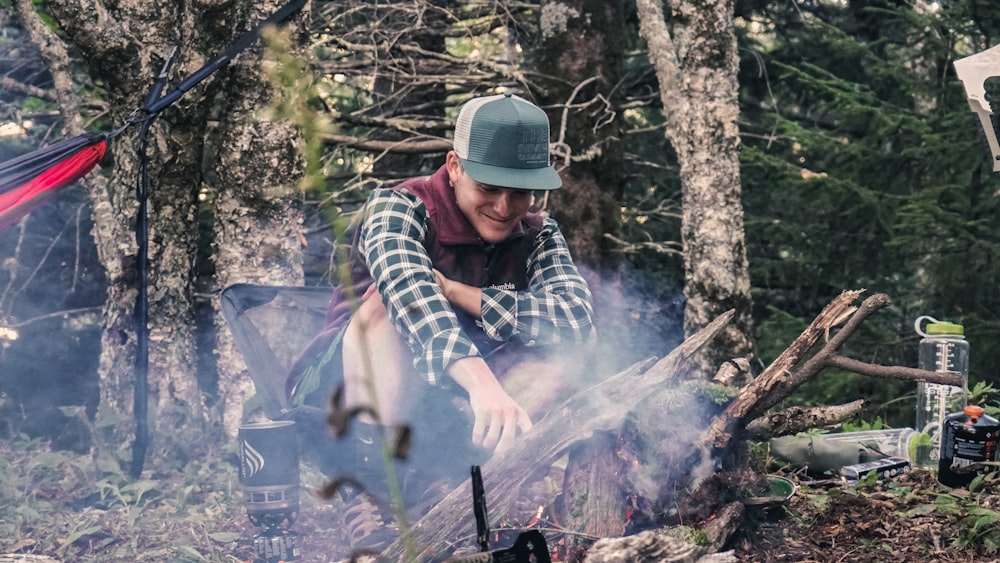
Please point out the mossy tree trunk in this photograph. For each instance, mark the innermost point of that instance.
(124, 50)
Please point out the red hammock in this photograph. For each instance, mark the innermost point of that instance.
(31, 179)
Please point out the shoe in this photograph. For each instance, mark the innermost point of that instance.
(370, 529)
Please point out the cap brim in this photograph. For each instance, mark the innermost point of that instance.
(545, 178)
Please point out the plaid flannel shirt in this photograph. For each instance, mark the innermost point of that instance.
(556, 308)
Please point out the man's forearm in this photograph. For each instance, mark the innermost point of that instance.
(465, 297)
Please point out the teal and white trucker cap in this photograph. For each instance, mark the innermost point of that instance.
(504, 141)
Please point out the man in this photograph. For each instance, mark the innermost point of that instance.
(460, 285)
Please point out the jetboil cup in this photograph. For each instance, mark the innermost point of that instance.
(269, 473)
(967, 437)
(942, 348)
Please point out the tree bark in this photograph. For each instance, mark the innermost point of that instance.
(125, 49)
(696, 67)
(580, 54)
(800, 419)
(257, 221)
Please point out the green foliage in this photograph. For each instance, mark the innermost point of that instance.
(978, 522)
(862, 425)
(298, 102)
(861, 169)
(79, 508)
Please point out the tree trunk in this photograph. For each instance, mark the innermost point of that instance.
(581, 53)
(125, 50)
(696, 69)
(258, 163)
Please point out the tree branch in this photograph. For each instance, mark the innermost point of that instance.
(406, 146)
(781, 378)
(894, 372)
(653, 28)
(800, 419)
(56, 57)
(11, 85)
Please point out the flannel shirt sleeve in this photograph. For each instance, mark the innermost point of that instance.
(392, 236)
(556, 308)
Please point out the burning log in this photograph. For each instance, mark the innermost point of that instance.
(606, 407)
(638, 410)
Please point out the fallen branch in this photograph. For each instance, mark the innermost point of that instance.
(668, 544)
(800, 419)
(781, 378)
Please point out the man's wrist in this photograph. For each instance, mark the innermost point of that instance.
(471, 373)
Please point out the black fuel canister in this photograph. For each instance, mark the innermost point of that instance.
(967, 437)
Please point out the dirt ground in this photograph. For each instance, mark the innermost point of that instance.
(911, 518)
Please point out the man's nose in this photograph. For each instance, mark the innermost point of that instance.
(502, 203)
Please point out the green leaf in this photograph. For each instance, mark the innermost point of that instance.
(225, 537)
(73, 537)
(921, 510)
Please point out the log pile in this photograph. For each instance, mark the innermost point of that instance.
(649, 432)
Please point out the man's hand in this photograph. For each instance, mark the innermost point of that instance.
(498, 416)
(466, 297)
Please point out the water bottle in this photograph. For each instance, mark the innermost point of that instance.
(942, 348)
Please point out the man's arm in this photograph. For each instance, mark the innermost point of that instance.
(498, 417)
(391, 240)
(556, 308)
(466, 297)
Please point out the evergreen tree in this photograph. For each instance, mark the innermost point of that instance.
(861, 170)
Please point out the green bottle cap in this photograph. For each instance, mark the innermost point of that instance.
(945, 328)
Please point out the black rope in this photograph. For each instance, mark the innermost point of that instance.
(218, 62)
(140, 405)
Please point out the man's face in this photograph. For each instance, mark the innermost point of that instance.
(493, 211)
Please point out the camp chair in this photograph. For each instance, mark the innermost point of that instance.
(271, 325)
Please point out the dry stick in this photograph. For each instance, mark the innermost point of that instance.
(779, 380)
(720, 431)
(828, 356)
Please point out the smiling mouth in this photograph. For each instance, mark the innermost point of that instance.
(495, 220)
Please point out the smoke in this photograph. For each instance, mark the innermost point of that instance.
(51, 291)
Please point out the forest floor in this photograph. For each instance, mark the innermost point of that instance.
(911, 518)
(65, 506)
